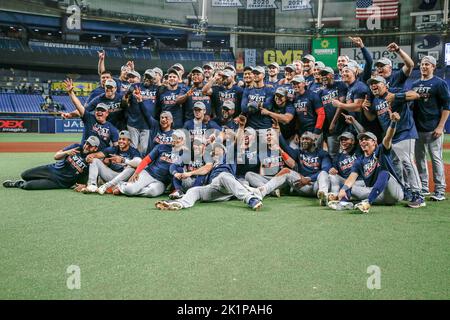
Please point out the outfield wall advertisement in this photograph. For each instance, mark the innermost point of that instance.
(19, 125)
(68, 126)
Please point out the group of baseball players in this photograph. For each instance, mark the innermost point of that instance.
(345, 136)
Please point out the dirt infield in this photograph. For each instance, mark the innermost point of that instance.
(55, 146)
(32, 146)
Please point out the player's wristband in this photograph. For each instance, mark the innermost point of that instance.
(393, 125)
(400, 96)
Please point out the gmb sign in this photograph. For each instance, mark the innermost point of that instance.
(377, 53)
(282, 57)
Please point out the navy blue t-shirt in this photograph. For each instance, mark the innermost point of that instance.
(406, 128)
(94, 94)
(310, 164)
(106, 132)
(290, 91)
(315, 87)
(220, 166)
(149, 97)
(327, 94)
(223, 94)
(167, 102)
(201, 129)
(343, 162)
(287, 130)
(197, 96)
(259, 95)
(309, 80)
(305, 110)
(396, 80)
(162, 157)
(434, 98)
(116, 112)
(247, 160)
(69, 170)
(129, 155)
(271, 162)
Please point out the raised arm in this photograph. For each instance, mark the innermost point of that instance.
(101, 62)
(68, 83)
(387, 140)
(409, 63)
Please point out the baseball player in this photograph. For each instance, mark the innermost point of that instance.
(342, 61)
(160, 132)
(226, 91)
(317, 84)
(248, 77)
(105, 75)
(113, 164)
(208, 71)
(70, 167)
(404, 139)
(289, 74)
(94, 124)
(299, 67)
(334, 124)
(247, 151)
(308, 173)
(395, 79)
(342, 165)
(226, 120)
(309, 111)
(122, 81)
(308, 69)
(190, 95)
(431, 112)
(273, 70)
(152, 174)
(220, 185)
(376, 169)
(167, 99)
(367, 72)
(256, 97)
(199, 126)
(158, 75)
(180, 183)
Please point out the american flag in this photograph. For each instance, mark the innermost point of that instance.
(389, 9)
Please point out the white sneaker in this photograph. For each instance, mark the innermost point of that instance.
(438, 196)
(102, 189)
(363, 206)
(90, 189)
(256, 191)
(340, 205)
(168, 205)
(322, 196)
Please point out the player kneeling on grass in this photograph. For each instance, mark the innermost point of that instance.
(118, 164)
(309, 171)
(221, 185)
(152, 181)
(70, 168)
(375, 166)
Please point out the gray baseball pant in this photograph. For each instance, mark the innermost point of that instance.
(256, 180)
(222, 188)
(98, 168)
(391, 195)
(145, 186)
(336, 183)
(333, 145)
(139, 139)
(405, 164)
(321, 184)
(425, 143)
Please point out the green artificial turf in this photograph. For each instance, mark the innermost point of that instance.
(292, 249)
(39, 137)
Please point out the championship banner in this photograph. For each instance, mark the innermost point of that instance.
(428, 45)
(326, 50)
(68, 125)
(261, 4)
(377, 53)
(250, 57)
(227, 3)
(19, 125)
(288, 5)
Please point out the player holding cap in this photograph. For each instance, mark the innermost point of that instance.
(375, 167)
(112, 165)
(431, 112)
(71, 167)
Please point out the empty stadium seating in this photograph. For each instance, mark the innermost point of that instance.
(31, 103)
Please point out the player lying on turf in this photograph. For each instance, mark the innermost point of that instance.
(71, 167)
(112, 165)
(375, 167)
(220, 185)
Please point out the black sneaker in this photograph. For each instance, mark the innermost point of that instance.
(12, 184)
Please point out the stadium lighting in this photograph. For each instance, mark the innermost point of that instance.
(49, 33)
(37, 30)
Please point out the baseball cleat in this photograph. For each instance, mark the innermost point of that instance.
(322, 198)
(177, 194)
(425, 193)
(276, 193)
(255, 204)
(90, 189)
(256, 191)
(168, 205)
(102, 189)
(437, 196)
(9, 184)
(363, 206)
(417, 202)
(340, 205)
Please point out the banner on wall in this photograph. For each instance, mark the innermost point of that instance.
(250, 57)
(326, 50)
(19, 125)
(428, 45)
(282, 57)
(180, 1)
(377, 53)
(447, 54)
(79, 87)
(261, 4)
(227, 3)
(68, 125)
(288, 5)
